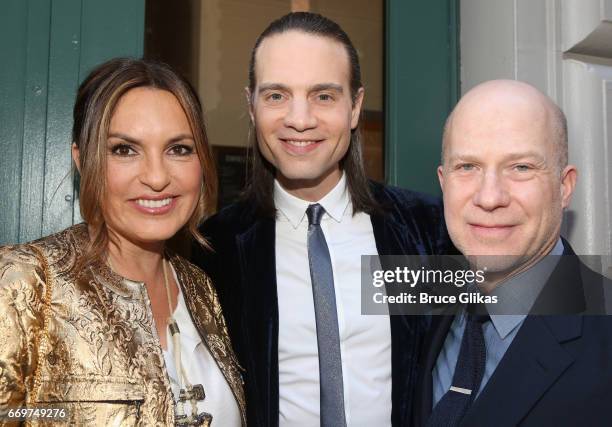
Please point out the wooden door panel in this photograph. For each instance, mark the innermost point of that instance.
(46, 48)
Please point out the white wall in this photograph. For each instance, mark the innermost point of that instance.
(564, 48)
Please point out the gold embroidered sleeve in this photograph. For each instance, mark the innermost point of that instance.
(21, 300)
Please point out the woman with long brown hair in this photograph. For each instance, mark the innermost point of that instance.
(102, 320)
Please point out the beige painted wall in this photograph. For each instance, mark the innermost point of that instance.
(363, 22)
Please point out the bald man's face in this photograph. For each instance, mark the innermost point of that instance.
(503, 191)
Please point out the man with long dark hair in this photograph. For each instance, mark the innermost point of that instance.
(287, 257)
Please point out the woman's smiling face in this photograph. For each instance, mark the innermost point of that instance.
(153, 173)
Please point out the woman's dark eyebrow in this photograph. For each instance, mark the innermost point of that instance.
(129, 139)
(181, 137)
(124, 137)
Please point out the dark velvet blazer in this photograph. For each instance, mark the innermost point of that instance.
(243, 269)
(558, 369)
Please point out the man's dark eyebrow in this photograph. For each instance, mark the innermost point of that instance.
(327, 86)
(272, 86)
(316, 88)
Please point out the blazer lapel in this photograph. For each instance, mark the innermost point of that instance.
(536, 357)
(406, 331)
(531, 365)
(205, 312)
(434, 341)
(256, 251)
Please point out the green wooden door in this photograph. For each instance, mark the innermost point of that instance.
(422, 86)
(46, 48)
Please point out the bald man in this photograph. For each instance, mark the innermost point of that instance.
(506, 182)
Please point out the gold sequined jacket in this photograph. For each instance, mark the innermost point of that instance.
(88, 343)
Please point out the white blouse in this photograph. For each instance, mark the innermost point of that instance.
(201, 368)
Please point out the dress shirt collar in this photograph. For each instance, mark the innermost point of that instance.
(190, 337)
(521, 291)
(293, 208)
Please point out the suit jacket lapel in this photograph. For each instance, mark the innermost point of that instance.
(391, 239)
(531, 365)
(536, 357)
(256, 250)
(205, 313)
(434, 341)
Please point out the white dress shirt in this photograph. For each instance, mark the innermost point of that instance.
(365, 341)
(201, 368)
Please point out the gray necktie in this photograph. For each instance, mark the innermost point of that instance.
(328, 338)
